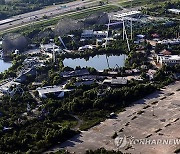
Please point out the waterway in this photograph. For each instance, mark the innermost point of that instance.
(4, 65)
(99, 62)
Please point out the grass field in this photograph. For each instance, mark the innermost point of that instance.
(149, 3)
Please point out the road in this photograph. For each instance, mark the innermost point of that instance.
(49, 12)
(153, 117)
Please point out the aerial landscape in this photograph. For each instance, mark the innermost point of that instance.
(89, 76)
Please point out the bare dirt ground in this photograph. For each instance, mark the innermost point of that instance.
(154, 117)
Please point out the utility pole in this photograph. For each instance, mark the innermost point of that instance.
(127, 40)
(153, 110)
(54, 54)
(131, 30)
(106, 40)
(107, 33)
(123, 29)
(131, 24)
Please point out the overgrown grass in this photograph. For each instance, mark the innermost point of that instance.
(92, 118)
(136, 3)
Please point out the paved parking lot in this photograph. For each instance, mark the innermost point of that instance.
(154, 117)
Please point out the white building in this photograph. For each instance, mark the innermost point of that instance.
(168, 59)
(175, 11)
(57, 91)
(120, 16)
(116, 82)
(173, 41)
(8, 88)
(49, 47)
(85, 47)
(88, 34)
(100, 34)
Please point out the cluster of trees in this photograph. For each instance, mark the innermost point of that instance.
(35, 135)
(162, 8)
(165, 29)
(17, 61)
(47, 129)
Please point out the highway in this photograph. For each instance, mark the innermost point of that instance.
(49, 12)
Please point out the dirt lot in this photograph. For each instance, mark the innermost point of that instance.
(154, 117)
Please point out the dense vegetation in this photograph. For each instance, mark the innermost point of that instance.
(34, 134)
(52, 120)
(162, 9)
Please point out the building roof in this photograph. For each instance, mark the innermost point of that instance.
(51, 89)
(85, 47)
(173, 41)
(88, 82)
(48, 46)
(5, 86)
(130, 13)
(87, 31)
(140, 36)
(118, 81)
(174, 10)
(171, 57)
(74, 73)
(114, 23)
(165, 52)
(155, 35)
(100, 32)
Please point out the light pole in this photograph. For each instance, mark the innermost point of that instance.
(153, 110)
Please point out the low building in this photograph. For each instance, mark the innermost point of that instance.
(170, 60)
(175, 11)
(165, 52)
(170, 41)
(56, 91)
(84, 82)
(162, 53)
(136, 71)
(24, 73)
(31, 61)
(100, 34)
(91, 77)
(115, 82)
(155, 35)
(74, 73)
(49, 47)
(128, 72)
(89, 34)
(7, 87)
(115, 24)
(140, 36)
(86, 47)
(120, 16)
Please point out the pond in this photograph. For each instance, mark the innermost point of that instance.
(4, 65)
(99, 62)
